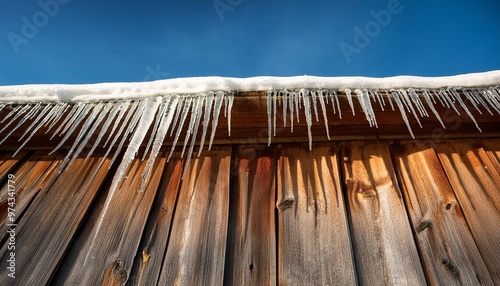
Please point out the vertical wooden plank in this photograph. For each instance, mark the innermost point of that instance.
(476, 184)
(492, 148)
(449, 254)
(109, 260)
(384, 247)
(149, 259)
(48, 226)
(314, 246)
(197, 244)
(30, 177)
(251, 249)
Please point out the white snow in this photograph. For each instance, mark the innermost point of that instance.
(195, 85)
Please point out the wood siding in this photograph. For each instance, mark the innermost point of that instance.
(411, 212)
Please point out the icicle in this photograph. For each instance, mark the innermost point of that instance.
(86, 137)
(110, 118)
(76, 109)
(285, 107)
(338, 103)
(123, 109)
(448, 100)
(21, 112)
(57, 115)
(490, 98)
(18, 111)
(193, 121)
(389, 95)
(457, 97)
(380, 99)
(77, 118)
(269, 116)
(365, 103)
(409, 105)
(218, 102)
(163, 105)
(349, 99)
(130, 126)
(291, 101)
(166, 120)
(130, 112)
(395, 96)
(315, 104)
(472, 100)
(177, 114)
(147, 118)
(197, 119)
(431, 106)
(479, 98)
(325, 117)
(38, 118)
(229, 108)
(185, 111)
(297, 104)
(438, 95)
(44, 119)
(82, 136)
(21, 122)
(275, 96)
(418, 103)
(74, 124)
(206, 120)
(307, 112)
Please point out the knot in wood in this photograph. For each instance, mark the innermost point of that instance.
(286, 203)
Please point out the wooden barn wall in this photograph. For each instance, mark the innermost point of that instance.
(402, 212)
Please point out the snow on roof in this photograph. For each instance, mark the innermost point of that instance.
(193, 85)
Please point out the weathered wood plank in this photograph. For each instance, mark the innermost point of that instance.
(476, 184)
(314, 246)
(385, 250)
(149, 259)
(38, 170)
(492, 148)
(7, 162)
(251, 249)
(48, 226)
(448, 251)
(109, 260)
(196, 249)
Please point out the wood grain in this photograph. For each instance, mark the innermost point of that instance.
(32, 175)
(121, 233)
(48, 226)
(314, 246)
(251, 249)
(196, 250)
(149, 259)
(448, 250)
(384, 248)
(476, 184)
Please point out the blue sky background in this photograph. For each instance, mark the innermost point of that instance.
(89, 41)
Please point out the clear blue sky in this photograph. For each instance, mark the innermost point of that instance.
(88, 41)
